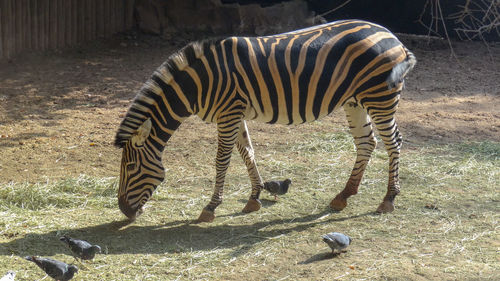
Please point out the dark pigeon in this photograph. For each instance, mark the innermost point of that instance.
(277, 187)
(81, 248)
(9, 276)
(55, 269)
(336, 241)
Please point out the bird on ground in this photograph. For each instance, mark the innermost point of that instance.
(81, 248)
(56, 269)
(9, 276)
(277, 187)
(337, 241)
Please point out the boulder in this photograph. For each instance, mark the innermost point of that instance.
(163, 17)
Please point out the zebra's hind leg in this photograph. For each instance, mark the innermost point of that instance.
(244, 145)
(383, 117)
(227, 129)
(364, 139)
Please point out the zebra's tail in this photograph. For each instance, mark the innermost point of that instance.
(400, 70)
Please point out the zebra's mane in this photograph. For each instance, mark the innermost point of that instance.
(138, 111)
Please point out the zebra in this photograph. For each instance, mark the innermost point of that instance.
(289, 78)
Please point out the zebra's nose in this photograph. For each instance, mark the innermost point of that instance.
(125, 207)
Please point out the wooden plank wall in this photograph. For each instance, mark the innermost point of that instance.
(51, 24)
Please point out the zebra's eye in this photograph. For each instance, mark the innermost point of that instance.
(130, 166)
(138, 145)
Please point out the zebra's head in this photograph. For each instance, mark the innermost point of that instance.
(141, 171)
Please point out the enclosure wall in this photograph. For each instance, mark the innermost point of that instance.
(50, 24)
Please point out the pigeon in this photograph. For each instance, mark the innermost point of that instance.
(55, 269)
(336, 241)
(9, 276)
(81, 248)
(277, 187)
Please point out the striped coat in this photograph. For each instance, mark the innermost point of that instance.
(290, 78)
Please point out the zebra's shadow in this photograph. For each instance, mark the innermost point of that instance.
(121, 237)
(265, 202)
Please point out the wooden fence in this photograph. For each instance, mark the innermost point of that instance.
(51, 24)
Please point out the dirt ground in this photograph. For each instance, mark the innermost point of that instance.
(59, 110)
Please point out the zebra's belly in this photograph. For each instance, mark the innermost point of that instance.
(284, 117)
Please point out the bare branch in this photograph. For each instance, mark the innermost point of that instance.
(475, 21)
(334, 9)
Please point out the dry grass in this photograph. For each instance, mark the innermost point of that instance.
(445, 226)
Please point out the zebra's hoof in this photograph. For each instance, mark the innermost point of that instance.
(252, 206)
(338, 203)
(206, 216)
(385, 207)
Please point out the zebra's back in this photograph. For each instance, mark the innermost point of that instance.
(303, 75)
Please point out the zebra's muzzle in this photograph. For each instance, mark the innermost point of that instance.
(126, 209)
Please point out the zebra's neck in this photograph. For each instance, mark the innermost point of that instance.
(185, 84)
(167, 98)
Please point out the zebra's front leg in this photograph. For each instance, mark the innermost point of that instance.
(227, 129)
(245, 148)
(364, 139)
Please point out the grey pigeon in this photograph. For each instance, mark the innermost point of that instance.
(9, 276)
(336, 241)
(277, 187)
(55, 269)
(81, 248)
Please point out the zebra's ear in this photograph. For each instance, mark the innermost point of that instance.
(142, 133)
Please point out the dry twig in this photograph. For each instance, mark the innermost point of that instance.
(475, 20)
(334, 9)
(436, 18)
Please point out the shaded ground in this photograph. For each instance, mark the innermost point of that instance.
(59, 111)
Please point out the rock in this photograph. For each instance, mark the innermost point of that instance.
(165, 17)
